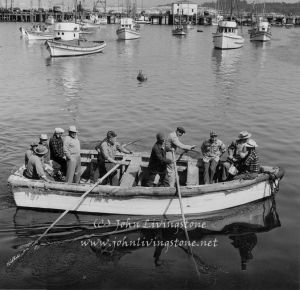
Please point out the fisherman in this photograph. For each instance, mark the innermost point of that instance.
(35, 166)
(251, 166)
(30, 151)
(173, 142)
(237, 153)
(56, 146)
(72, 153)
(107, 150)
(158, 163)
(212, 149)
(44, 142)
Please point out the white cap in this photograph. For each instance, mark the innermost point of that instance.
(44, 137)
(59, 130)
(251, 144)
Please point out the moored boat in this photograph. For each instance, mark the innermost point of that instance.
(226, 36)
(67, 42)
(178, 30)
(128, 29)
(37, 32)
(130, 198)
(261, 31)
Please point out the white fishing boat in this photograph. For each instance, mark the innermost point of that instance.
(261, 31)
(67, 42)
(50, 20)
(91, 21)
(37, 32)
(131, 198)
(128, 29)
(226, 36)
(178, 30)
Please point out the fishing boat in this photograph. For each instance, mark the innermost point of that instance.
(178, 30)
(261, 30)
(67, 41)
(37, 32)
(131, 198)
(128, 29)
(226, 36)
(50, 20)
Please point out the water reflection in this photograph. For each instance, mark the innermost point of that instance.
(105, 239)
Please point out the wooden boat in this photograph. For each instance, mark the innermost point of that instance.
(130, 198)
(226, 36)
(128, 29)
(261, 31)
(37, 32)
(178, 30)
(67, 42)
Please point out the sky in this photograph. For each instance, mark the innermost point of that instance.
(111, 3)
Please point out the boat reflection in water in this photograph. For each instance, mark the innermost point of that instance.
(100, 239)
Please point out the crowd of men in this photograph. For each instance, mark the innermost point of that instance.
(63, 154)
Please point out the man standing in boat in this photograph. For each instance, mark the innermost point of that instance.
(44, 142)
(212, 149)
(158, 163)
(72, 152)
(107, 150)
(56, 146)
(173, 142)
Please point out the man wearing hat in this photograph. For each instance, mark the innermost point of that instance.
(212, 149)
(72, 153)
(172, 143)
(251, 165)
(44, 142)
(158, 163)
(56, 146)
(30, 151)
(107, 150)
(35, 166)
(237, 153)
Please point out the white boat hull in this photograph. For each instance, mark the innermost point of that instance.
(38, 35)
(127, 34)
(142, 205)
(260, 36)
(227, 41)
(70, 48)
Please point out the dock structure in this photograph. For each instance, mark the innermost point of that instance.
(170, 17)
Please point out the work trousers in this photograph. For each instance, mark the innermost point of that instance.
(171, 170)
(209, 171)
(113, 178)
(163, 179)
(73, 169)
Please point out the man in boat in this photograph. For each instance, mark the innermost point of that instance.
(72, 153)
(173, 142)
(56, 146)
(44, 142)
(251, 166)
(158, 163)
(35, 165)
(212, 149)
(30, 151)
(107, 150)
(237, 153)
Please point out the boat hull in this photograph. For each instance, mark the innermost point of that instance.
(260, 36)
(127, 34)
(38, 35)
(74, 48)
(157, 201)
(227, 41)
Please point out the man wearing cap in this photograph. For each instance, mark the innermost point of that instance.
(212, 149)
(158, 163)
(30, 151)
(35, 166)
(107, 150)
(237, 153)
(72, 153)
(251, 165)
(44, 142)
(172, 143)
(56, 146)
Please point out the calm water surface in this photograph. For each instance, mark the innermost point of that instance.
(255, 88)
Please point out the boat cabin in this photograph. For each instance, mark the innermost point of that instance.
(127, 23)
(227, 27)
(66, 30)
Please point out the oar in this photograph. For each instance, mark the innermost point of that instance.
(180, 202)
(16, 257)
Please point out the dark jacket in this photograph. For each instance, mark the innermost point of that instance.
(158, 161)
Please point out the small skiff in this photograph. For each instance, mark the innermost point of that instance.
(131, 198)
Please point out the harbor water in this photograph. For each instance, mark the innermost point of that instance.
(190, 84)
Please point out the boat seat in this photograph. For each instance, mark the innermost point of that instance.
(129, 177)
(192, 173)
